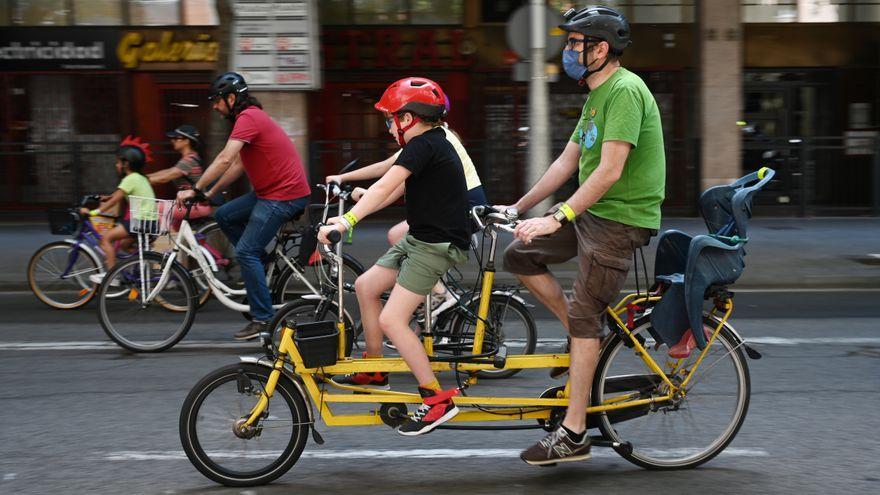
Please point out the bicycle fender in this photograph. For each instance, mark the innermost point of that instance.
(297, 381)
(91, 252)
(750, 351)
(513, 295)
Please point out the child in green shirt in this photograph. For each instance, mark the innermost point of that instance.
(131, 158)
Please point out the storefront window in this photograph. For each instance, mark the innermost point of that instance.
(379, 11)
(334, 12)
(341, 12)
(756, 11)
(435, 11)
(40, 13)
(97, 12)
(4, 14)
(154, 12)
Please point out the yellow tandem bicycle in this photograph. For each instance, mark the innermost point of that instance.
(246, 424)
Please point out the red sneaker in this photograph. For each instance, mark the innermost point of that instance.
(368, 380)
(436, 409)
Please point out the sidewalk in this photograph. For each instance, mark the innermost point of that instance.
(812, 253)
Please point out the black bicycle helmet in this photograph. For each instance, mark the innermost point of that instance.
(599, 22)
(228, 83)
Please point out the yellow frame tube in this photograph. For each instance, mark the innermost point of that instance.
(483, 311)
(371, 396)
(705, 351)
(641, 351)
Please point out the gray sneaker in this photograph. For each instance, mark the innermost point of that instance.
(557, 447)
(251, 331)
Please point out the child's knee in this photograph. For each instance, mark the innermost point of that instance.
(366, 288)
(387, 321)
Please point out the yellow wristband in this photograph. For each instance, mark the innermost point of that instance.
(569, 213)
(94, 212)
(351, 218)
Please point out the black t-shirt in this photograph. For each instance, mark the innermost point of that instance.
(436, 192)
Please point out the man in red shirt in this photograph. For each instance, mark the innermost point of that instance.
(259, 147)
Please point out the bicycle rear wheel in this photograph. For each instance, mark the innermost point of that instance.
(58, 274)
(140, 326)
(255, 457)
(686, 432)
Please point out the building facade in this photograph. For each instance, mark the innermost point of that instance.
(793, 84)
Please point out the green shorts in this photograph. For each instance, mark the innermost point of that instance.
(421, 264)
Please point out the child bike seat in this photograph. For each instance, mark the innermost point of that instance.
(687, 267)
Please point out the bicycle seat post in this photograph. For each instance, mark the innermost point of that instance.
(428, 335)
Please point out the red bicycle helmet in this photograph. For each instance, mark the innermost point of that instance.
(136, 152)
(420, 96)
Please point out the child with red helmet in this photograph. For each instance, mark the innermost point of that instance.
(131, 157)
(437, 213)
(443, 298)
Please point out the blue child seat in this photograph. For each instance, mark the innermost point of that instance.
(690, 266)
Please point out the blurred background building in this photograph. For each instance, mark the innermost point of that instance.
(793, 84)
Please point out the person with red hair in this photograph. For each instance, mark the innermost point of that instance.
(430, 169)
(131, 157)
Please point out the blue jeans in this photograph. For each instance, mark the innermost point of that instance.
(251, 223)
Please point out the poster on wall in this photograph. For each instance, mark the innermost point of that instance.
(275, 43)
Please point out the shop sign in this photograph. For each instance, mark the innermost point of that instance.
(40, 49)
(275, 43)
(141, 49)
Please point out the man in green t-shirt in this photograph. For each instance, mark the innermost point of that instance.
(617, 149)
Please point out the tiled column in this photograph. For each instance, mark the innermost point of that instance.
(720, 70)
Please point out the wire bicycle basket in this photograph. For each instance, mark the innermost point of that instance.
(150, 216)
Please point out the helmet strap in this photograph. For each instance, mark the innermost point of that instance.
(588, 73)
(402, 130)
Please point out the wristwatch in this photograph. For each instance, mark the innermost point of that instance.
(560, 217)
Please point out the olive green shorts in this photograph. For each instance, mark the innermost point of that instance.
(421, 264)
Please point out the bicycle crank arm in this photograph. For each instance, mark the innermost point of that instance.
(622, 448)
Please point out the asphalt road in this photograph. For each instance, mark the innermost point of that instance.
(79, 415)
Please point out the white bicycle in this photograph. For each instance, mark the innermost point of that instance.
(159, 301)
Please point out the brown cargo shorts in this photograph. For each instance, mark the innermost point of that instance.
(604, 250)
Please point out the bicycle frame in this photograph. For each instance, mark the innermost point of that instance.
(505, 408)
(185, 243)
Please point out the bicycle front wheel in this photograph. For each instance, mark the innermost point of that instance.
(689, 430)
(146, 326)
(58, 274)
(249, 458)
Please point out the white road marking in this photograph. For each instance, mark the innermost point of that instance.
(392, 454)
(550, 343)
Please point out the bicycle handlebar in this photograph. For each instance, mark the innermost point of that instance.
(485, 216)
